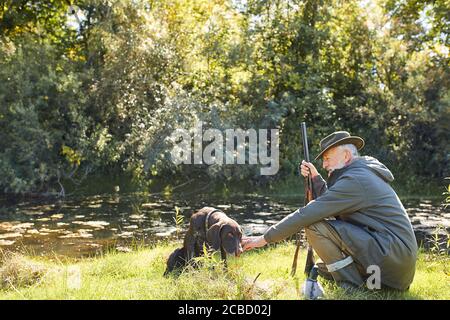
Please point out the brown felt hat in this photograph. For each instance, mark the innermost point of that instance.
(338, 138)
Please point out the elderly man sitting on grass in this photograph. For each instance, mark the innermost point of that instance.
(356, 223)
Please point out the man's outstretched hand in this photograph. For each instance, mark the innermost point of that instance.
(249, 243)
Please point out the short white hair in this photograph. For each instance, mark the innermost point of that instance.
(350, 147)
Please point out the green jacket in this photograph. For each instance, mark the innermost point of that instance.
(361, 195)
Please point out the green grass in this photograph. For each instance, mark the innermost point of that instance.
(138, 275)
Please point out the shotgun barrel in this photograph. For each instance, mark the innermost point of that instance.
(308, 197)
(308, 180)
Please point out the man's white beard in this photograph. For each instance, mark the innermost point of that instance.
(338, 166)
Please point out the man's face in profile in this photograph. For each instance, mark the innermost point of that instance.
(333, 159)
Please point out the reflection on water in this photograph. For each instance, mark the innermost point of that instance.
(84, 226)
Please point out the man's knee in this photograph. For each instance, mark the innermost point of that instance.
(323, 237)
(321, 228)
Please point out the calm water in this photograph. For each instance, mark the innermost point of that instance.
(88, 225)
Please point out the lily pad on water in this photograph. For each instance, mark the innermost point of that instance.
(161, 228)
(6, 242)
(10, 235)
(159, 223)
(82, 233)
(62, 224)
(259, 221)
(263, 214)
(126, 234)
(15, 226)
(166, 232)
(94, 224)
(150, 205)
(93, 245)
(95, 206)
(32, 212)
(137, 217)
(47, 230)
(131, 227)
(25, 225)
(6, 226)
(254, 229)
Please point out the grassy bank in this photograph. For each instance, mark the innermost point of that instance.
(138, 275)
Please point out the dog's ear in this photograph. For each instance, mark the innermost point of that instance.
(189, 243)
(213, 236)
(197, 221)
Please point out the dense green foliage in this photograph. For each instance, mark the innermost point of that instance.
(98, 87)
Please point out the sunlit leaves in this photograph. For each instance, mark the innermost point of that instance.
(71, 155)
(116, 87)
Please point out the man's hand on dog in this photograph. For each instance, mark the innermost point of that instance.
(249, 243)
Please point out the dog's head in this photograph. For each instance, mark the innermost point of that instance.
(176, 261)
(226, 234)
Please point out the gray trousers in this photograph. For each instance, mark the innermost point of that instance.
(329, 246)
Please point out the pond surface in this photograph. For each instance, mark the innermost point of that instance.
(86, 226)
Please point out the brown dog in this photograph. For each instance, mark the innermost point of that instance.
(208, 226)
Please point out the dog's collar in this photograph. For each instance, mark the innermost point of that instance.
(207, 218)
